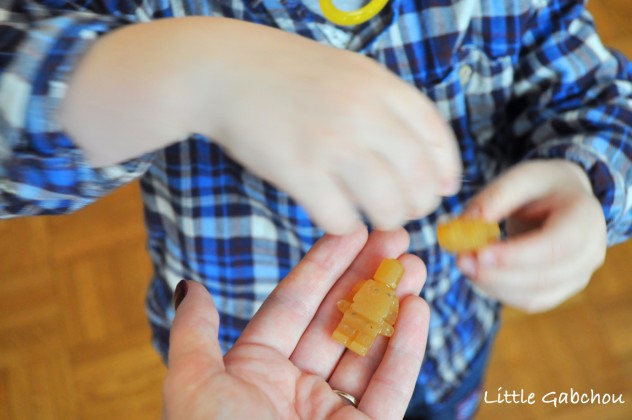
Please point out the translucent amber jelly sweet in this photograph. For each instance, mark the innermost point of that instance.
(466, 234)
(370, 309)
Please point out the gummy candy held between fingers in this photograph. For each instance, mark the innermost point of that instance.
(467, 234)
(370, 309)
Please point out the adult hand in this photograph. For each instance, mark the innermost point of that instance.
(285, 364)
(556, 235)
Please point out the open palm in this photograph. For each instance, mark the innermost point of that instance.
(285, 364)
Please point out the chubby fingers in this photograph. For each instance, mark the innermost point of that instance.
(542, 268)
(421, 116)
(534, 289)
(323, 197)
(391, 162)
(539, 267)
(374, 187)
(388, 181)
(566, 223)
(526, 183)
(571, 229)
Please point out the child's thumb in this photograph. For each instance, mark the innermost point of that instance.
(513, 189)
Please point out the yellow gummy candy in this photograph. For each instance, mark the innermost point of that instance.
(370, 309)
(467, 234)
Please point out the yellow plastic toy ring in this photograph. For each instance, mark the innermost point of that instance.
(355, 17)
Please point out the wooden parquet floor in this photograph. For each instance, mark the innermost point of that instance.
(74, 340)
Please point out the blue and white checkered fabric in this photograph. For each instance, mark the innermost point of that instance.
(516, 80)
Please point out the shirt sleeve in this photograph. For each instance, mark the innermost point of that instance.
(573, 100)
(41, 170)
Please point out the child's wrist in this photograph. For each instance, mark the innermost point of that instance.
(137, 89)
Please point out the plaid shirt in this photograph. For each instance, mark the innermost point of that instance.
(516, 79)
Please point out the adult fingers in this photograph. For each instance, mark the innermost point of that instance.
(353, 372)
(193, 343)
(317, 353)
(391, 387)
(286, 313)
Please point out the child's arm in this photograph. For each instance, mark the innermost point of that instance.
(572, 130)
(309, 118)
(41, 170)
(574, 98)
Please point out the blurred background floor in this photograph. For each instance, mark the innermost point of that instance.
(74, 340)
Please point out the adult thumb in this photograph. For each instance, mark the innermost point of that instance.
(193, 339)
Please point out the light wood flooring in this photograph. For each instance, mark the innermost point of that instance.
(74, 341)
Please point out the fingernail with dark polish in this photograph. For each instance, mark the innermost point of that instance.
(181, 291)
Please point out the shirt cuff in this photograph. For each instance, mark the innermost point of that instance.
(606, 177)
(44, 171)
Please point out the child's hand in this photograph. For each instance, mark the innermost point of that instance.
(333, 129)
(557, 235)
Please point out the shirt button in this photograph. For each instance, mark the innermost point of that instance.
(465, 74)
